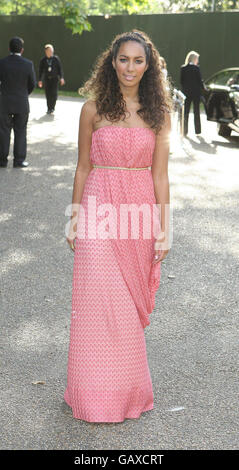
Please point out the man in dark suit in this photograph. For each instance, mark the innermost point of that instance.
(50, 71)
(18, 79)
(192, 85)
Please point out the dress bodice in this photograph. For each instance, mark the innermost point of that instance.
(122, 146)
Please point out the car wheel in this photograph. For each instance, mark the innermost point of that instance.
(224, 130)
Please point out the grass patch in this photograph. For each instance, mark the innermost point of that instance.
(73, 94)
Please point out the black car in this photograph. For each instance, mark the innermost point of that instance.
(221, 100)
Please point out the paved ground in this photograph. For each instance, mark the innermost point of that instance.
(192, 341)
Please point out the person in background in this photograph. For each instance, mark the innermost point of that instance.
(192, 84)
(50, 70)
(18, 80)
(164, 66)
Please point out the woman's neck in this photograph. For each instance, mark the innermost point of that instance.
(130, 94)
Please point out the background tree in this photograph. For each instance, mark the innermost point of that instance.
(76, 12)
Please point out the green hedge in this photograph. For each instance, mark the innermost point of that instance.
(213, 35)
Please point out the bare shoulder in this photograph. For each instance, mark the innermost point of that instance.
(89, 108)
(166, 125)
(87, 116)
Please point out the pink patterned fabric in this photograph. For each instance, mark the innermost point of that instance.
(114, 286)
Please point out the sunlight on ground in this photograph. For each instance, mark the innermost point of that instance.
(15, 258)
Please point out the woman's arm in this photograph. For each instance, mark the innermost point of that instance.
(159, 170)
(84, 165)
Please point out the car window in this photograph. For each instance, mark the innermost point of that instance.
(226, 78)
(234, 80)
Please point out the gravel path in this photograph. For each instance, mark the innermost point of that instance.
(192, 341)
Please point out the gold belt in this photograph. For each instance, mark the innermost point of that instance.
(121, 167)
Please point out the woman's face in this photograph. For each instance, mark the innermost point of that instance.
(130, 63)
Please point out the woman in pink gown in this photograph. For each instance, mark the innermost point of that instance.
(123, 160)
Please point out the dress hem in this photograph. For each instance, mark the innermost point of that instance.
(150, 407)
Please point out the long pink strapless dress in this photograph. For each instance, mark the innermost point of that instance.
(114, 285)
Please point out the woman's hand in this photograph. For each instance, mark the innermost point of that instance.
(71, 243)
(159, 255)
(72, 234)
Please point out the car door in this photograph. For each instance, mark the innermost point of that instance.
(221, 96)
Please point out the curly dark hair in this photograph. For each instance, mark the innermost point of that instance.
(154, 88)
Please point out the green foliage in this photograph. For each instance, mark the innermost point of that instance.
(76, 12)
(176, 6)
(74, 18)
